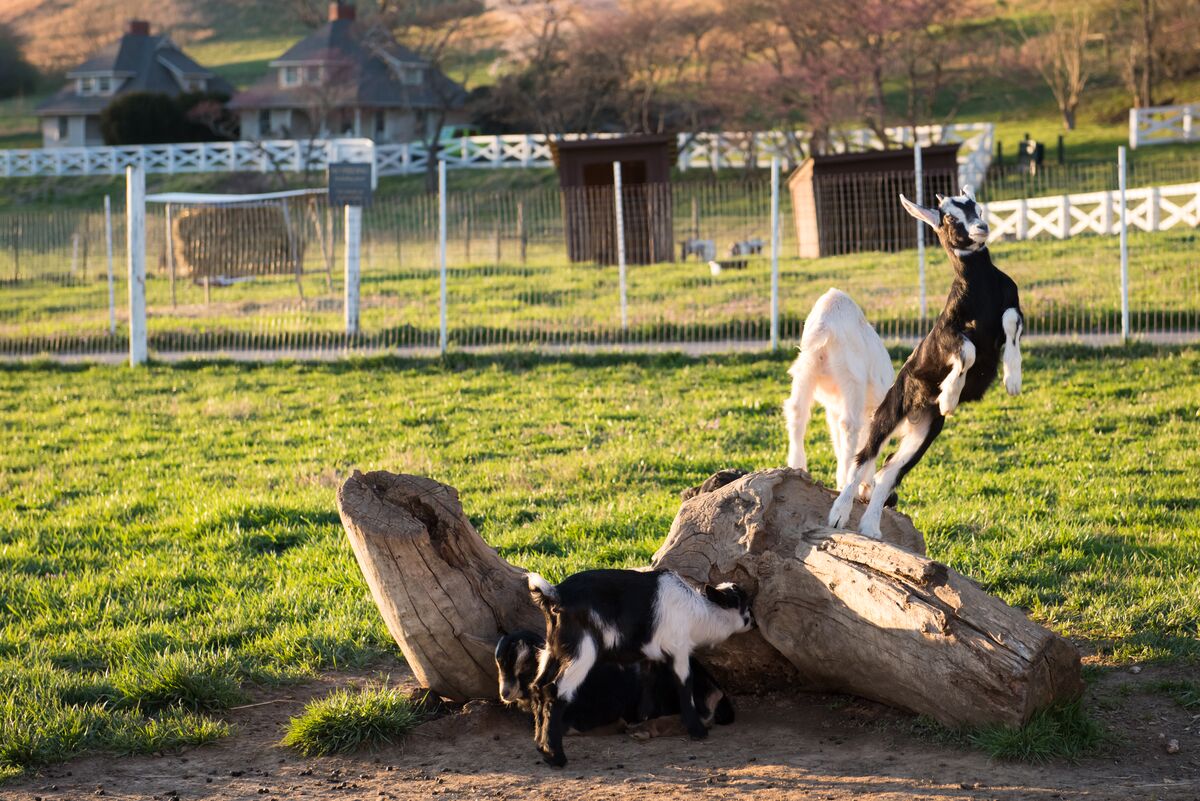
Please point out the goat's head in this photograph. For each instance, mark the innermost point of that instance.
(517, 663)
(733, 598)
(958, 221)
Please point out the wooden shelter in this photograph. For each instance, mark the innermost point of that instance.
(585, 174)
(849, 202)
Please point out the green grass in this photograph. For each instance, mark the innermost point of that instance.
(1056, 733)
(1182, 691)
(168, 535)
(346, 720)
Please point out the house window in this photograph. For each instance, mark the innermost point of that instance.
(264, 122)
(312, 75)
(380, 124)
(193, 84)
(411, 76)
(85, 86)
(64, 129)
(289, 76)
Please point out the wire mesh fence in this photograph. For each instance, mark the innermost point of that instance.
(538, 268)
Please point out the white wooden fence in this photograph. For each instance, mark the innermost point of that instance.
(703, 150)
(1162, 125)
(1155, 208)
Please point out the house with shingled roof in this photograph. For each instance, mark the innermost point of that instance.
(138, 62)
(349, 79)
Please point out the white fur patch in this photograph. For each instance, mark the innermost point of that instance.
(538, 583)
(1012, 351)
(885, 480)
(609, 634)
(544, 657)
(952, 385)
(577, 669)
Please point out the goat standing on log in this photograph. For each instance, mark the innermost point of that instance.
(955, 363)
(844, 366)
(625, 616)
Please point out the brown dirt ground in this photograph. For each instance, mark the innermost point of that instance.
(786, 746)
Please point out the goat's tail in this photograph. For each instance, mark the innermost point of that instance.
(543, 592)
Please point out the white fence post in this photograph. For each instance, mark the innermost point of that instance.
(919, 174)
(1124, 247)
(135, 245)
(1133, 129)
(108, 247)
(620, 212)
(774, 253)
(1064, 214)
(444, 333)
(353, 226)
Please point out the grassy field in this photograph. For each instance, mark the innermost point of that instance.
(168, 536)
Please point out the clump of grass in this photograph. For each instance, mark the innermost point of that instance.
(206, 680)
(346, 720)
(1063, 731)
(130, 733)
(1183, 692)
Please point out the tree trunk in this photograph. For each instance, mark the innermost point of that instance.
(445, 595)
(836, 611)
(856, 615)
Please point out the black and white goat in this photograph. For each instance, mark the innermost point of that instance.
(612, 693)
(844, 366)
(955, 363)
(625, 616)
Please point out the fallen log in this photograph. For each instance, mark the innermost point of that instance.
(862, 616)
(836, 611)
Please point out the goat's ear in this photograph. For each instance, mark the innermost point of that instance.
(713, 594)
(968, 192)
(930, 217)
(939, 198)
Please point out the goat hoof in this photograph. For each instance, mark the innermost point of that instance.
(700, 733)
(554, 760)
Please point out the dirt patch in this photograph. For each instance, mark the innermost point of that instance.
(793, 746)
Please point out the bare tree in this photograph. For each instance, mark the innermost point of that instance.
(1060, 55)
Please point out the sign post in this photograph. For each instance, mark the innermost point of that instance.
(350, 186)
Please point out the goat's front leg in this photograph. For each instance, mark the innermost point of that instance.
(952, 385)
(1014, 326)
(682, 674)
(550, 732)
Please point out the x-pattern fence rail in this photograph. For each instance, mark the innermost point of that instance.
(696, 151)
(1163, 125)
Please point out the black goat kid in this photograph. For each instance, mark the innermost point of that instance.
(980, 325)
(612, 693)
(625, 616)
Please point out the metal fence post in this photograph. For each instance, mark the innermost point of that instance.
(135, 245)
(620, 241)
(1124, 246)
(444, 334)
(919, 175)
(108, 246)
(774, 253)
(353, 225)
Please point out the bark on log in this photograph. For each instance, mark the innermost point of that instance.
(445, 595)
(862, 616)
(836, 611)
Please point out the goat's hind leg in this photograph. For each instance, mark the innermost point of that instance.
(1013, 323)
(884, 423)
(915, 438)
(798, 408)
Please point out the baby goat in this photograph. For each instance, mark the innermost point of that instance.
(842, 365)
(625, 616)
(612, 693)
(955, 363)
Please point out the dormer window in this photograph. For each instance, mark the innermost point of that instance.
(104, 85)
(312, 75)
(289, 76)
(411, 76)
(194, 84)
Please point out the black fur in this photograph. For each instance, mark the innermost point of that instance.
(975, 306)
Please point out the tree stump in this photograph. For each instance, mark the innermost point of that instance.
(836, 611)
(445, 595)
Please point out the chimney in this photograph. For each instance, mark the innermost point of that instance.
(138, 27)
(341, 11)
